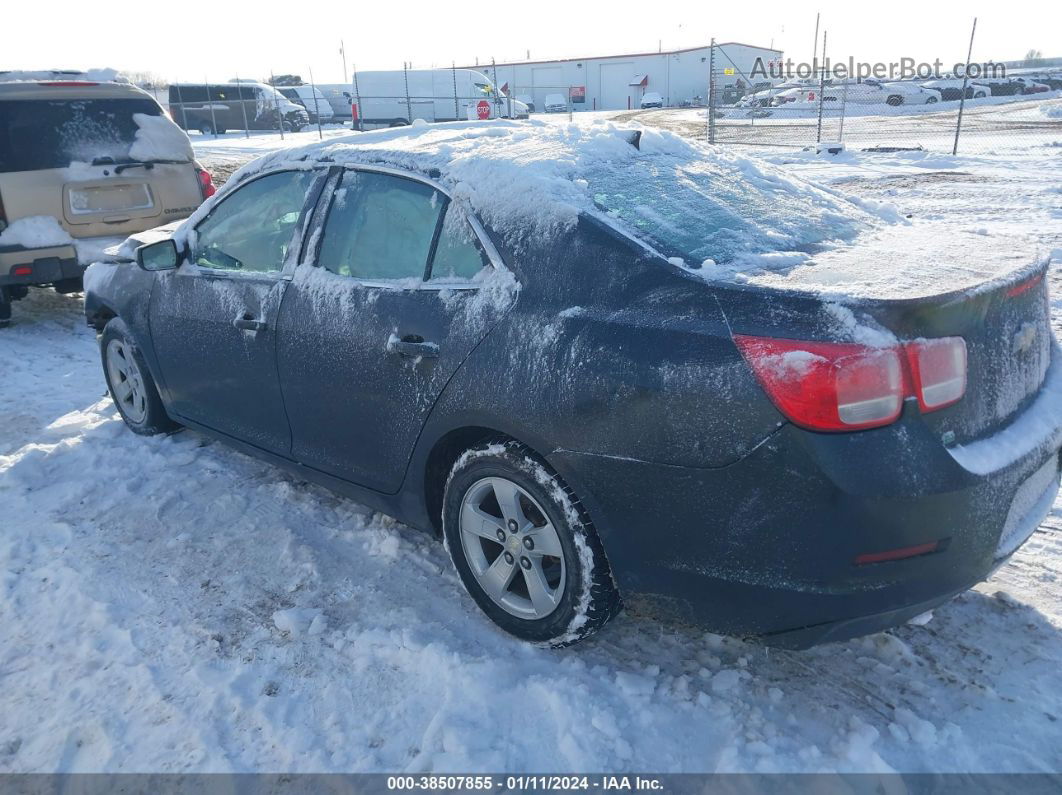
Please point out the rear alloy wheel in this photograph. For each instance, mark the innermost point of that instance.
(523, 547)
(130, 383)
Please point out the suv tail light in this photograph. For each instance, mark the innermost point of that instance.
(938, 371)
(830, 386)
(206, 182)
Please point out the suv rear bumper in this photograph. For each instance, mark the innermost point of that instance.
(45, 265)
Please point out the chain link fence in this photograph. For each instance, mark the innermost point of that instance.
(968, 115)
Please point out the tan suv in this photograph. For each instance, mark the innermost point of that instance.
(83, 164)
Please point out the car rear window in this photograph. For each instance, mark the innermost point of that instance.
(701, 210)
(39, 133)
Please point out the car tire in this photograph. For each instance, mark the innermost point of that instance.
(552, 599)
(5, 308)
(206, 129)
(130, 383)
(895, 100)
(930, 100)
(398, 123)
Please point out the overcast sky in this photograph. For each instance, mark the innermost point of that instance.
(196, 39)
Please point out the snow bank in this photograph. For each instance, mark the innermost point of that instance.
(35, 231)
(532, 180)
(158, 138)
(1052, 110)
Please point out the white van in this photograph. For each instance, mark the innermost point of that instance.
(433, 95)
(316, 104)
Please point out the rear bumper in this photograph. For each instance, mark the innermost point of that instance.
(767, 546)
(35, 266)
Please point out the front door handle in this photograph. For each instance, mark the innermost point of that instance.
(412, 345)
(249, 322)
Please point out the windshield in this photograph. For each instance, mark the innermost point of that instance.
(704, 210)
(38, 134)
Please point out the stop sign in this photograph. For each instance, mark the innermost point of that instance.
(483, 109)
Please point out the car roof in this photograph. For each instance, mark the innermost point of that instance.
(528, 181)
(69, 89)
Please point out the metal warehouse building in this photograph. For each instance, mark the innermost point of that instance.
(615, 82)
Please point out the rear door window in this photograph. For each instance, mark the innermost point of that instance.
(458, 254)
(380, 227)
(41, 134)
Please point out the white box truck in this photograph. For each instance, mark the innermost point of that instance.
(395, 98)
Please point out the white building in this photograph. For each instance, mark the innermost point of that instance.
(615, 82)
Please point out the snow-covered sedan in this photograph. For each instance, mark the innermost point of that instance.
(951, 88)
(584, 380)
(652, 99)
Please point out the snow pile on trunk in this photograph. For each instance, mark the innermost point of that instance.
(35, 231)
(158, 138)
(531, 180)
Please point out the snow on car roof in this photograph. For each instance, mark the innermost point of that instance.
(91, 75)
(529, 180)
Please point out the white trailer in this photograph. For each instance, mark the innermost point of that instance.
(395, 98)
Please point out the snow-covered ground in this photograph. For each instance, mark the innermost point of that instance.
(172, 605)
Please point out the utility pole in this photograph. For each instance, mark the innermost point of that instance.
(822, 87)
(343, 53)
(815, 47)
(965, 80)
(276, 104)
(711, 93)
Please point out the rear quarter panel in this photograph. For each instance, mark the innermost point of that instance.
(609, 352)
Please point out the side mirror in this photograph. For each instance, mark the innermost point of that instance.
(160, 256)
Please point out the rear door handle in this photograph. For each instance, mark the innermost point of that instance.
(249, 322)
(412, 345)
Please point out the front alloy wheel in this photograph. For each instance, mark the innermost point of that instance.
(130, 383)
(127, 383)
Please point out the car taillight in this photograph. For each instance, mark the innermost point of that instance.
(206, 183)
(828, 386)
(938, 371)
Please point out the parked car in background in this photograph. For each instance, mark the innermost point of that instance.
(1032, 86)
(1002, 86)
(951, 89)
(556, 103)
(758, 99)
(83, 164)
(778, 465)
(908, 92)
(652, 99)
(219, 107)
(1052, 80)
(316, 104)
(528, 101)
